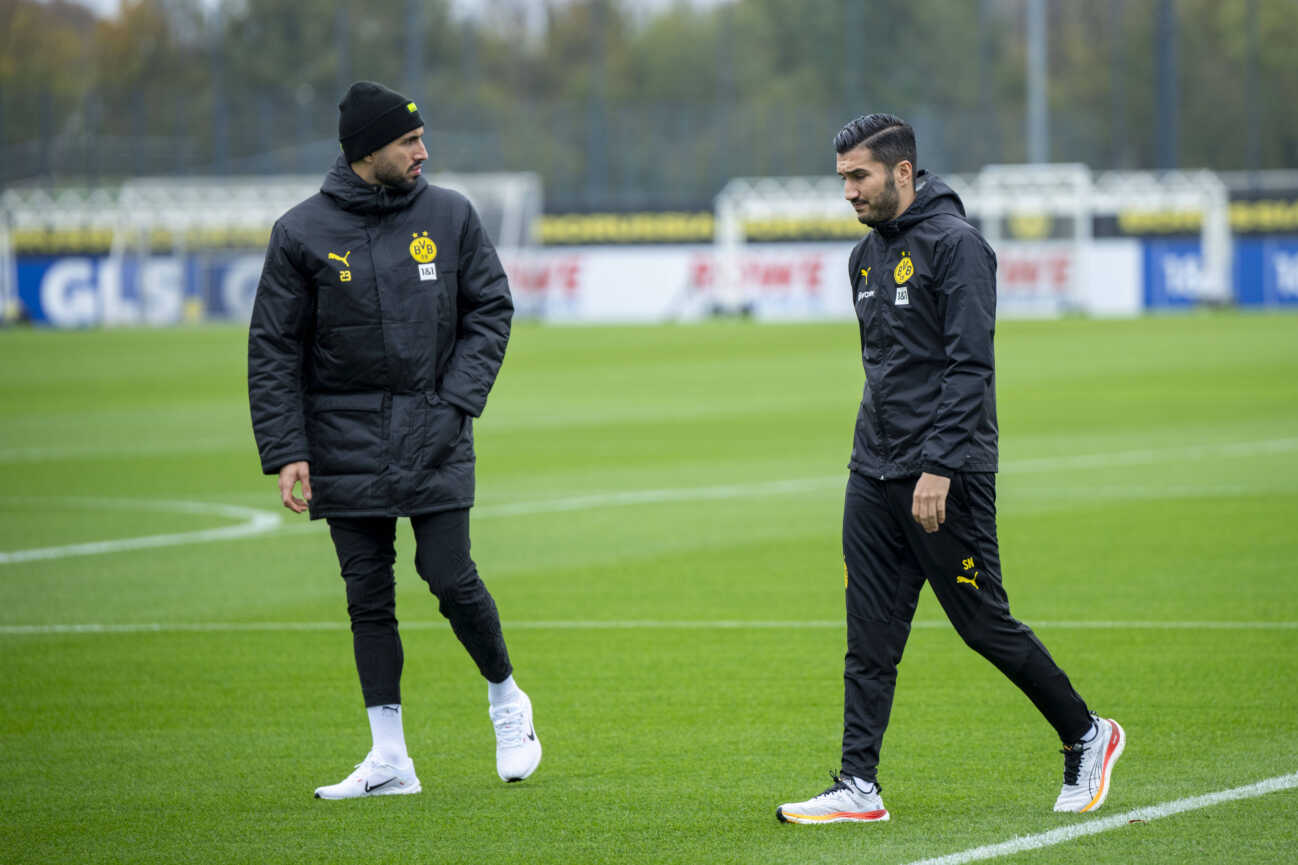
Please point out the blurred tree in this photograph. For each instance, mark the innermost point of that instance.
(43, 82)
(623, 109)
(1214, 121)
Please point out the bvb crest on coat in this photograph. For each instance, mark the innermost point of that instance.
(422, 248)
(905, 269)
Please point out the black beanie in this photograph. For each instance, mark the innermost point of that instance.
(372, 116)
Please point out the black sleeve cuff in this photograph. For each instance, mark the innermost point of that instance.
(941, 471)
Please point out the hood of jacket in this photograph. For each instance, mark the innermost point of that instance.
(353, 194)
(932, 197)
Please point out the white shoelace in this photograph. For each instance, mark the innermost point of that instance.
(508, 721)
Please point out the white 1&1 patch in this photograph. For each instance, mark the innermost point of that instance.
(428, 271)
(903, 296)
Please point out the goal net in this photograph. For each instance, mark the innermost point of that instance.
(1040, 219)
(192, 227)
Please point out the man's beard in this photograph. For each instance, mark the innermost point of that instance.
(884, 207)
(394, 178)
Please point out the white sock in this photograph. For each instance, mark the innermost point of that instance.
(500, 693)
(389, 738)
(866, 787)
(1092, 733)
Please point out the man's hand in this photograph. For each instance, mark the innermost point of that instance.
(929, 505)
(289, 476)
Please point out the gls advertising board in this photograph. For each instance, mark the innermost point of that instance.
(81, 291)
(796, 281)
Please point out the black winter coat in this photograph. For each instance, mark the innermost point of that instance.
(379, 325)
(924, 287)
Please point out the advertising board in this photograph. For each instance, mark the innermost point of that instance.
(771, 282)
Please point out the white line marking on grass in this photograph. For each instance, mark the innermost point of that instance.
(610, 625)
(261, 522)
(734, 491)
(927, 624)
(641, 497)
(1116, 821)
(61, 452)
(255, 522)
(1167, 626)
(1152, 455)
(189, 627)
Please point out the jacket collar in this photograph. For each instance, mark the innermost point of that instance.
(932, 196)
(355, 195)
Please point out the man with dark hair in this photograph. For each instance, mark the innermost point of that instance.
(921, 491)
(379, 325)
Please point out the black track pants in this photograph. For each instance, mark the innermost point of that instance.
(888, 558)
(366, 552)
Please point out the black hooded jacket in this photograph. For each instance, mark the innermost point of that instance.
(379, 326)
(924, 287)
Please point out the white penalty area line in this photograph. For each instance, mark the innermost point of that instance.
(605, 625)
(1105, 824)
(719, 492)
(253, 522)
(1026, 466)
(1145, 456)
(261, 522)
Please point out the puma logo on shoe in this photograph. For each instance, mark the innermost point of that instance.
(370, 788)
(973, 581)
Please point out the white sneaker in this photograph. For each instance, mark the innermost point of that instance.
(373, 778)
(843, 802)
(1087, 767)
(518, 751)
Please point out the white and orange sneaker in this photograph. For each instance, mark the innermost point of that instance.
(843, 802)
(1088, 767)
(373, 777)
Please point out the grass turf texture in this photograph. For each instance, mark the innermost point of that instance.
(1148, 477)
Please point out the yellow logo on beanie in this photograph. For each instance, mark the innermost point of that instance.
(411, 107)
(422, 248)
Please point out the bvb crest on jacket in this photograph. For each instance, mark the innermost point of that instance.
(423, 250)
(905, 269)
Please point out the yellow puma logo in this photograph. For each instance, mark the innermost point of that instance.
(973, 581)
(343, 258)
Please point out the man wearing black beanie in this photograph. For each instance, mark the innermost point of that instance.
(379, 326)
(370, 116)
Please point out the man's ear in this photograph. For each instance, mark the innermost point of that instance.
(904, 174)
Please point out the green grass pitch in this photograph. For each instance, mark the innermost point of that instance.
(658, 518)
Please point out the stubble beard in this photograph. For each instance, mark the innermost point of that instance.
(393, 178)
(884, 208)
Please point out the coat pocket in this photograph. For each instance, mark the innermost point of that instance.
(346, 433)
(445, 426)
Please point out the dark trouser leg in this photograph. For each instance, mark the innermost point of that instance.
(883, 583)
(366, 552)
(442, 559)
(962, 564)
